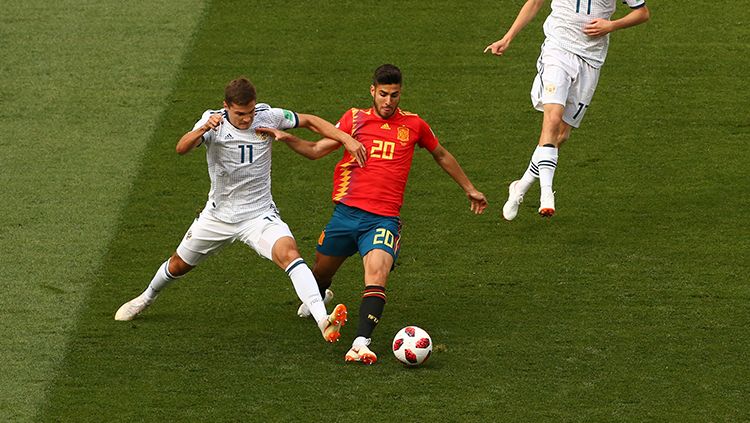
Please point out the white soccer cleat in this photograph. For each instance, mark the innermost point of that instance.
(132, 308)
(515, 198)
(334, 322)
(361, 354)
(304, 312)
(547, 204)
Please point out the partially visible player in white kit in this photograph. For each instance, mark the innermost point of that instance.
(577, 34)
(240, 206)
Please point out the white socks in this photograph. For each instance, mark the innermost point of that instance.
(161, 280)
(301, 276)
(307, 289)
(547, 164)
(542, 165)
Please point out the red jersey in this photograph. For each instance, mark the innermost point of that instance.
(379, 186)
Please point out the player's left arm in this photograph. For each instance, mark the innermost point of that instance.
(450, 165)
(600, 27)
(327, 130)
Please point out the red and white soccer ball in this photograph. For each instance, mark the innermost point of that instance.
(412, 346)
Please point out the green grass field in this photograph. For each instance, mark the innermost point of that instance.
(631, 304)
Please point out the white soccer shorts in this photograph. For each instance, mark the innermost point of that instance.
(207, 235)
(564, 78)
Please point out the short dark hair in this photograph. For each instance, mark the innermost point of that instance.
(240, 92)
(386, 74)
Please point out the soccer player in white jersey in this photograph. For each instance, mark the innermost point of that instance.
(240, 206)
(577, 38)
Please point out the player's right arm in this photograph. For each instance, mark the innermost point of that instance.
(601, 27)
(525, 15)
(309, 149)
(193, 138)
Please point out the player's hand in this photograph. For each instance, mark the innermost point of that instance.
(213, 122)
(498, 47)
(356, 149)
(478, 201)
(598, 27)
(277, 134)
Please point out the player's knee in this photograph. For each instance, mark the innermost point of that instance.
(285, 251)
(178, 266)
(291, 253)
(287, 256)
(553, 114)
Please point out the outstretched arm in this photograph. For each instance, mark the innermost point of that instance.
(450, 165)
(600, 27)
(525, 15)
(309, 149)
(327, 130)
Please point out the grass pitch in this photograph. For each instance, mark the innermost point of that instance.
(629, 305)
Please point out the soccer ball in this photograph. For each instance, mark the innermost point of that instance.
(412, 346)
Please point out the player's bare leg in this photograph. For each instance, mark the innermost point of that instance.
(170, 270)
(563, 134)
(325, 268)
(377, 264)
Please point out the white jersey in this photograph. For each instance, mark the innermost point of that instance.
(239, 164)
(564, 26)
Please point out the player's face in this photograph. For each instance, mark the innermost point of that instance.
(240, 116)
(385, 99)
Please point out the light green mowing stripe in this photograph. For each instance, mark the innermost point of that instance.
(81, 87)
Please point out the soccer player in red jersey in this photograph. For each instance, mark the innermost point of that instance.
(368, 198)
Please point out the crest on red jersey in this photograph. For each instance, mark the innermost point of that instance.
(403, 133)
